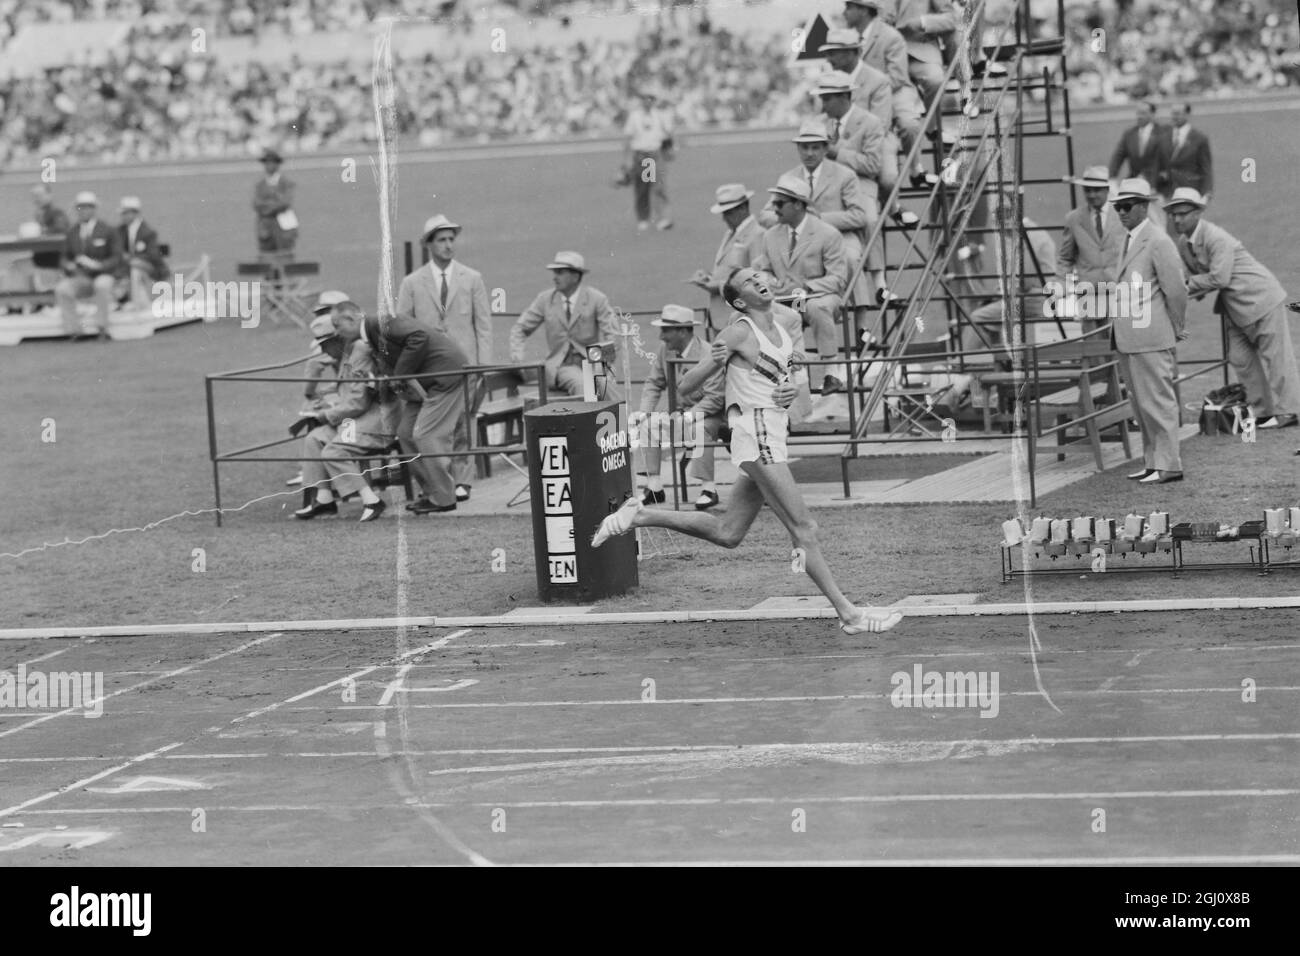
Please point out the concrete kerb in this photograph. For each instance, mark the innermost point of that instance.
(648, 617)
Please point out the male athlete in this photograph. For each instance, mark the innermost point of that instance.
(758, 353)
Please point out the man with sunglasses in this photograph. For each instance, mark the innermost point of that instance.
(1149, 319)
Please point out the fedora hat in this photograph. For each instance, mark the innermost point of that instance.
(436, 223)
(1185, 196)
(322, 327)
(729, 196)
(834, 81)
(873, 4)
(327, 300)
(1136, 188)
(568, 260)
(130, 202)
(792, 187)
(86, 198)
(676, 317)
(842, 38)
(811, 131)
(1095, 177)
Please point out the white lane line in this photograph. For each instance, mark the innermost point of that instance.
(1009, 650)
(145, 683)
(415, 652)
(44, 657)
(809, 698)
(1205, 860)
(641, 802)
(19, 807)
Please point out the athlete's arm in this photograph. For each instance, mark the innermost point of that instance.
(733, 339)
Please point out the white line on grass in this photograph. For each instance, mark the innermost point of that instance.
(144, 683)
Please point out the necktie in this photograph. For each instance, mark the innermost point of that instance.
(568, 311)
(1127, 239)
(794, 238)
(835, 131)
(810, 182)
(1096, 215)
(442, 292)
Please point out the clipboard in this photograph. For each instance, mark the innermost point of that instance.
(287, 220)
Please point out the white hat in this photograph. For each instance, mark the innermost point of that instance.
(729, 196)
(1136, 188)
(130, 202)
(834, 81)
(795, 187)
(842, 38)
(811, 131)
(327, 300)
(86, 198)
(434, 224)
(675, 317)
(322, 327)
(1185, 196)
(1096, 177)
(568, 260)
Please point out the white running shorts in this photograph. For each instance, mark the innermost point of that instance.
(758, 434)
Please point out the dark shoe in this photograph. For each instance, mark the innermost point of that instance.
(427, 507)
(884, 296)
(315, 509)
(1162, 477)
(653, 497)
(831, 385)
(905, 218)
(1139, 475)
(1279, 421)
(923, 180)
(371, 512)
(418, 502)
(462, 492)
(706, 500)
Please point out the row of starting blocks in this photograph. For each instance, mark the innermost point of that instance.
(1101, 538)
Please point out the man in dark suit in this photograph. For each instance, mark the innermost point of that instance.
(277, 224)
(1189, 155)
(430, 407)
(143, 261)
(53, 220)
(1145, 147)
(92, 255)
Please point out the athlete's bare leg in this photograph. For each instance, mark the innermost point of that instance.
(782, 494)
(726, 531)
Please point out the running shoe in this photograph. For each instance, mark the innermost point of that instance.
(620, 522)
(873, 621)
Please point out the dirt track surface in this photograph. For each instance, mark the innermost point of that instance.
(764, 741)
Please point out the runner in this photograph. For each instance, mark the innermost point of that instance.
(759, 390)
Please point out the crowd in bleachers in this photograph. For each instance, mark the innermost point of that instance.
(151, 101)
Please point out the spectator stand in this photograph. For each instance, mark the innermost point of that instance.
(391, 456)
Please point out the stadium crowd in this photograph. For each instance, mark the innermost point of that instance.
(151, 101)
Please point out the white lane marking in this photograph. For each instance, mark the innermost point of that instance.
(459, 685)
(1225, 860)
(84, 781)
(44, 657)
(126, 690)
(54, 839)
(152, 785)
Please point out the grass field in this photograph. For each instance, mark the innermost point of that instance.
(131, 445)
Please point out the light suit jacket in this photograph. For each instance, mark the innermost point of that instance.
(817, 265)
(707, 400)
(1217, 262)
(737, 251)
(593, 321)
(873, 91)
(937, 19)
(861, 147)
(359, 401)
(1153, 257)
(1082, 252)
(837, 200)
(884, 48)
(467, 318)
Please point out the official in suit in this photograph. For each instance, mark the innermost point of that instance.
(356, 425)
(1150, 270)
(884, 49)
(738, 248)
(450, 297)
(429, 406)
(575, 316)
(53, 220)
(143, 262)
(702, 408)
(857, 141)
(646, 151)
(805, 256)
(92, 255)
(1091, 242)
(277, 223)
(1190, 163)
(925, 25)
(1254, 302)
(1144, 147)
